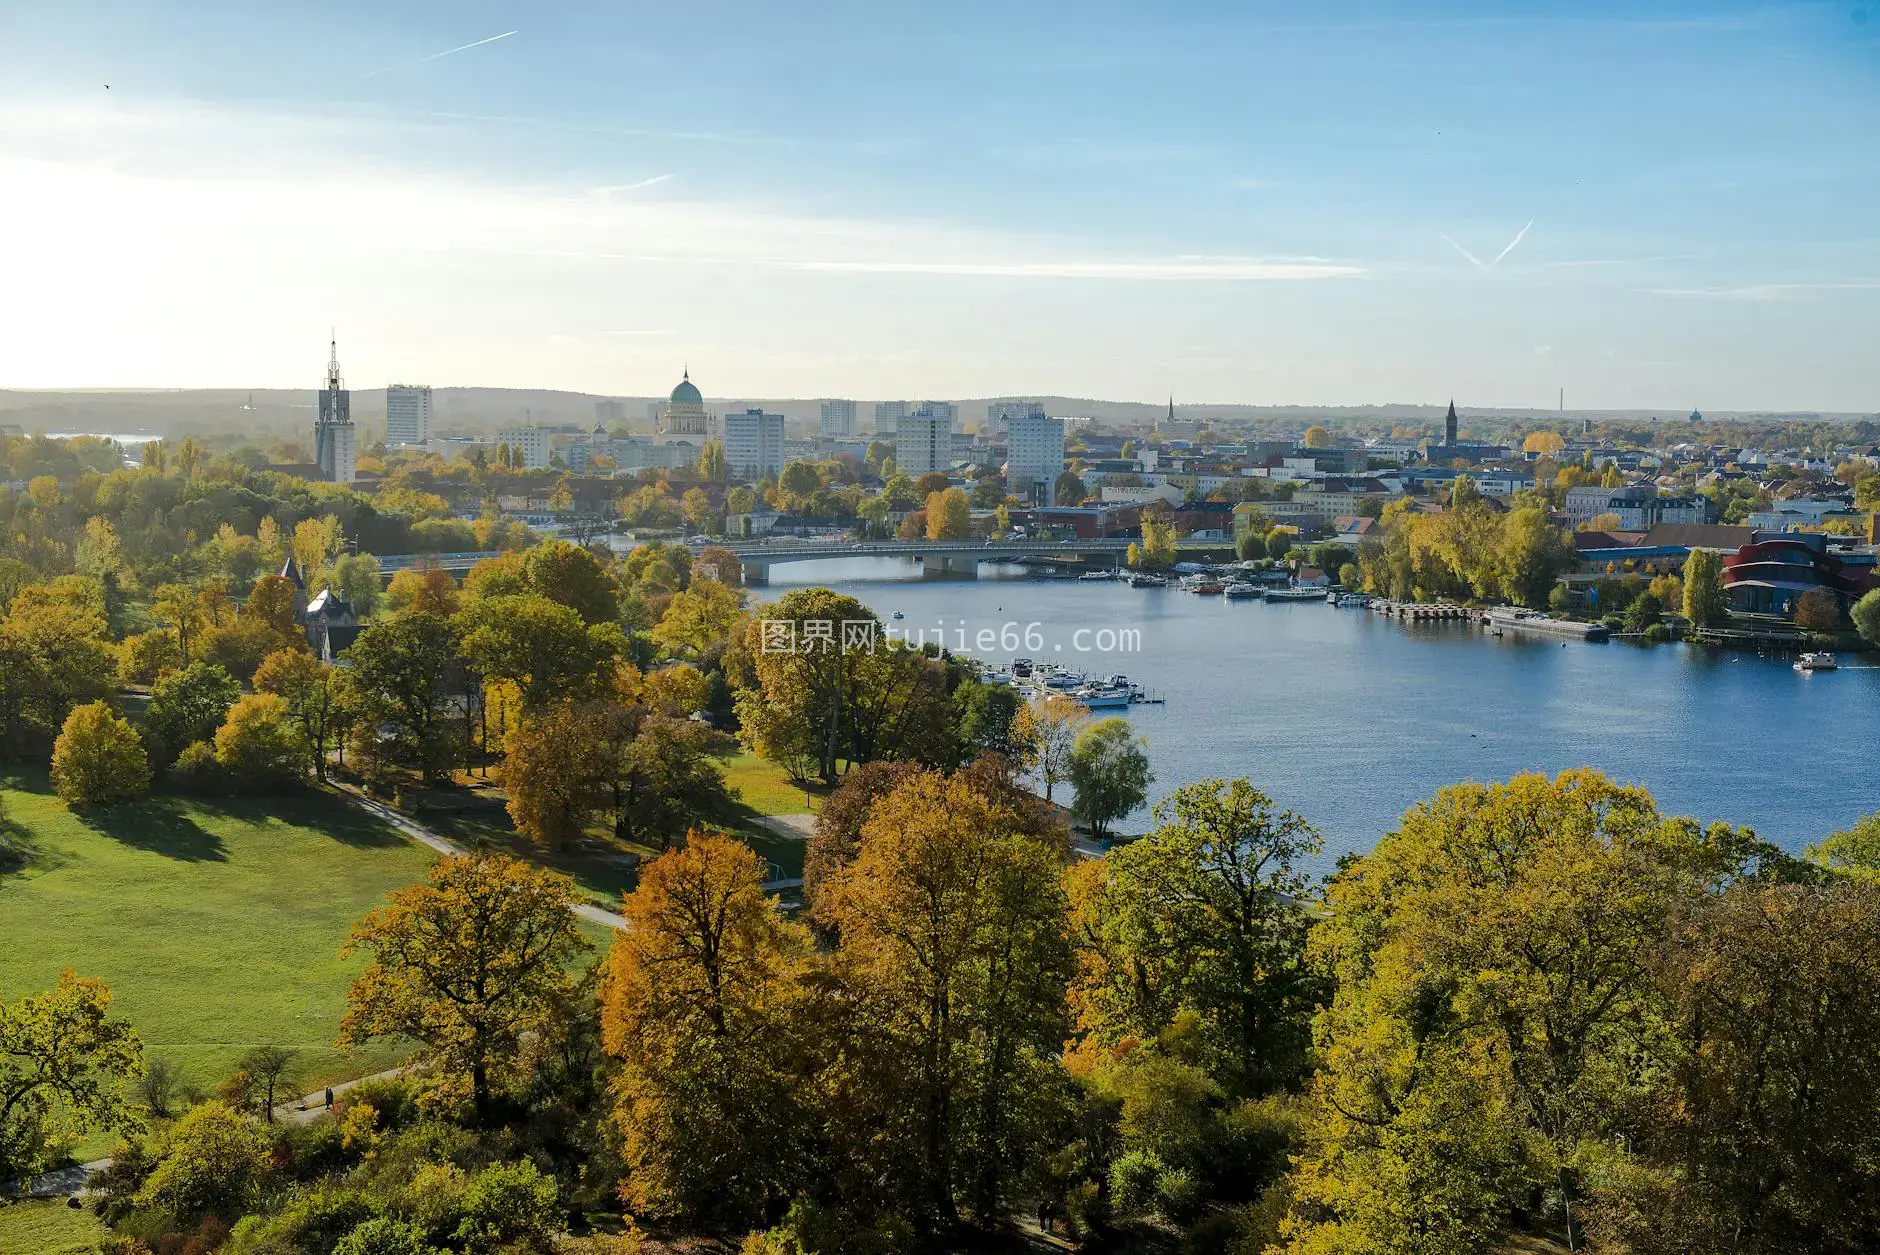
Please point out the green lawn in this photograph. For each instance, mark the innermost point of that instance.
(49, 1228)
(766, 787)
(217, 924)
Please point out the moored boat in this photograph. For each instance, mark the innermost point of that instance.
(1241, 592)
(1816, 662)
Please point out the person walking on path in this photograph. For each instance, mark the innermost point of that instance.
(329, 1098)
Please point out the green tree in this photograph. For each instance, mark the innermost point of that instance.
(1644, 611)
(1854, 850)
(212, 1161)
(468, 965)
(64, 1067)
(53, 657)
(399, 670)
(1109, 771)
(1703, 589)
(1195, 934)
(711, 463)
(356, 578)
(701, 1010)
(270, 1066)
(664, 781)
(1250, 547)
(1866, 616)
(98, 758)
(188, 706)
(541, 645)
(698, 617)
(1068, 489)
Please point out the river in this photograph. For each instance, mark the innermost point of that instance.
(1348, 718)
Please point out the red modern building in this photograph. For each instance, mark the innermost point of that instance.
(1769, 576)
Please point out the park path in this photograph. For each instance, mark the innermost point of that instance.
(61, 1182)
(416, 831)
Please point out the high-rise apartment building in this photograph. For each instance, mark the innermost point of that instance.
(887, 414)
(753, 444)
(609, 413)
(407, 414)
(923, 442)
(939, 409)
(999, 414)
(838, 418)
(1035, 457)
(335, 445)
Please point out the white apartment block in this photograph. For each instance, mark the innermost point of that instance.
(407, 414)
(838, 418)
(923, 443)
(1034, 456)
(887, 415)
(753, 444)
(533, 441)
(1001, 414)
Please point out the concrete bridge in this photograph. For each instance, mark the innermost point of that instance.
(938, 557)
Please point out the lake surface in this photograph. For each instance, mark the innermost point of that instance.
(1348, 718)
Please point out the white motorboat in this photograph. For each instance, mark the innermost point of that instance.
(1816, 662)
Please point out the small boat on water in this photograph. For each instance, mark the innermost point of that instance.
(1147, 581)
(897, 615)
(1088, 576)
(1240, 592)
(1097, 697)
(1208, 588)
(1816, 662)
(1353, 599)
(1295, 594)
(1331, 599)
(1021, 668)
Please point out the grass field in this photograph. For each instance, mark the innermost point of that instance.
(766, 788)
(217, 924)
(49, 1228)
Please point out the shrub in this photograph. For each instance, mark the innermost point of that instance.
(211, 1160)
(197, 771)
(385, 1236)
(508, 1202)
(313, 1220)
(1657, 634)
(1133, 1182)
(98, 758)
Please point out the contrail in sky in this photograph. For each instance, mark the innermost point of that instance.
(1477, 262)
(631, 187)
(1511, 243)
(434, 56)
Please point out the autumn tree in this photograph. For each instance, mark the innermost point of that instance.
(949, 515)
(54, 656)
(467, 964)
(572, 575)
(1109, 771)
(837, 836)
(311, 692)
(64, 1066)
(700, 1008)
(954, 944)
(1049, 726)
(259, 745)
(429, 589)
(99, 758)
(1818, 610)
(553, 771)
(1195, 934)
(698, 617)
(212, 1161)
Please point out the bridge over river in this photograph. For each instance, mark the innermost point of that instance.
(939, 557)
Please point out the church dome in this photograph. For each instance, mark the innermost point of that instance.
(687, 393)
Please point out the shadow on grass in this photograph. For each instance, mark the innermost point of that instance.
(161, 825)
(19, 849)
(307, 807)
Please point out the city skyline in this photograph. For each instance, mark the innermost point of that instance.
(1653, 206)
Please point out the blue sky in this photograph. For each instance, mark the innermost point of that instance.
(1267, 203)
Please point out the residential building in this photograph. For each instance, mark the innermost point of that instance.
(532, 442)
(838, 418)
(753, 444)
(923, 443)
(1000, 414)
(1034, 456)
(335, 441)
(407, 414)
(888, 415)
(607, 413)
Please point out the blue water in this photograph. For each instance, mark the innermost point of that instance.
(1348, 718)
